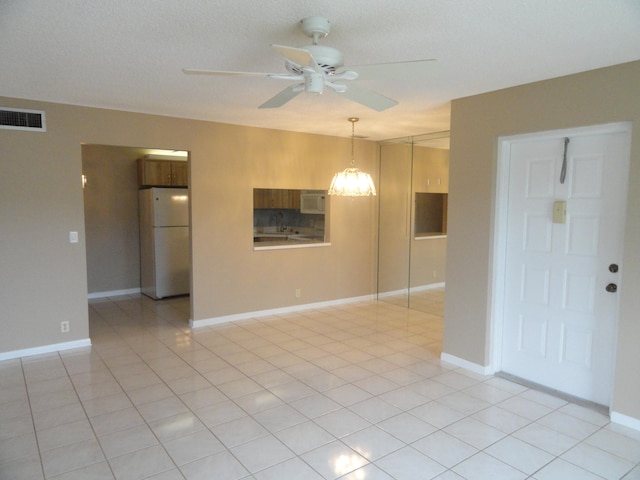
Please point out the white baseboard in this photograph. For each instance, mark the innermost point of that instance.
(466, 364)
(625, 420)
(56, 347)
(404, 291)
(430, 286)
(207, 322)
(113, 293)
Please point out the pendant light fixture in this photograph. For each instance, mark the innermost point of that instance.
(351, 182)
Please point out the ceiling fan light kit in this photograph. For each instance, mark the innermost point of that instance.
(352, 182)
(316, 67)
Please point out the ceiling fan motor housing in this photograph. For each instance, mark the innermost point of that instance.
(315, 27)
(327, 58)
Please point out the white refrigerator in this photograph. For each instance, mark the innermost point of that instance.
(164, 242)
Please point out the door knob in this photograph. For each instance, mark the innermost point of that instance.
(613, 268)
(612, 287)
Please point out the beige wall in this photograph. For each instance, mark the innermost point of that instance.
(229, 277)
(596, 97)
(43, 278)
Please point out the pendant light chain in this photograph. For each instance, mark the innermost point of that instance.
(353, 121)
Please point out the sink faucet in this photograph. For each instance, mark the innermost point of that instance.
(280, 222)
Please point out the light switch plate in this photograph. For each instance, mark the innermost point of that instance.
(560, 212)
(73, 237)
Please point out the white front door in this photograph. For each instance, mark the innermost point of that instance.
(563, 245)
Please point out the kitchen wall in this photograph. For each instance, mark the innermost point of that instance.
(287, 217)
(43, 277)
(596, 97)
(111, 217)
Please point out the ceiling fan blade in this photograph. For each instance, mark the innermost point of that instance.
(283, 97)
(190, 71)
(395, 69)
(336, 87)
(299, 56)
(279, 76)
(400, 64)
(368, 98)
(345, 75)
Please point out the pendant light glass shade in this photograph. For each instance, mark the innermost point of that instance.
(351, 182)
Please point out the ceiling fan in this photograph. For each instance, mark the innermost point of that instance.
(316, 67)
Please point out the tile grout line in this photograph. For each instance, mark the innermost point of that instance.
(88, 419)
(33, 422)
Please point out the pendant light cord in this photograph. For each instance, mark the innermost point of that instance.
(353, 121)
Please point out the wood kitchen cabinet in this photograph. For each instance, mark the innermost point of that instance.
(290, 199)
(162, 173)
(276, 198)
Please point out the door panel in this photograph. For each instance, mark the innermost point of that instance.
(559, 322)
(171, 261)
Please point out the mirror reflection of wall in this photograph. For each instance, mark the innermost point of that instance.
(394, 186)
(413, 196)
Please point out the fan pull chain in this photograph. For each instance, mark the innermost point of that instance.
(563, 171)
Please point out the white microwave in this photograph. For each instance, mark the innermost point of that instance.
(312, 202)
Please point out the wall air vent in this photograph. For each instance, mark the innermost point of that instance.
(21, 119)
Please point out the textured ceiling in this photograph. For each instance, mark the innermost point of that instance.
(129, 54)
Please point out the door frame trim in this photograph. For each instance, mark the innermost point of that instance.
(499, 232)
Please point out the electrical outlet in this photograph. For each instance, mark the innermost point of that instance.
(435, 274)
(73, 237)
(298, 293)
(64, 327)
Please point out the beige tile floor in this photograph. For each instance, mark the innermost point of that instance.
(355, 392)
(427, 301)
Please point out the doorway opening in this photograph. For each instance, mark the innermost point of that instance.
(111, 182)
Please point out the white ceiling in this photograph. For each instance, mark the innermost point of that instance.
(129, 54)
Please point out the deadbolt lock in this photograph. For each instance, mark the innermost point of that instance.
(613, 268)
(612, 287)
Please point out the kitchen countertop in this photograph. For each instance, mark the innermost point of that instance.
(268, 240)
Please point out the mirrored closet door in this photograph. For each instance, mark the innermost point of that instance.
(412, 237)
